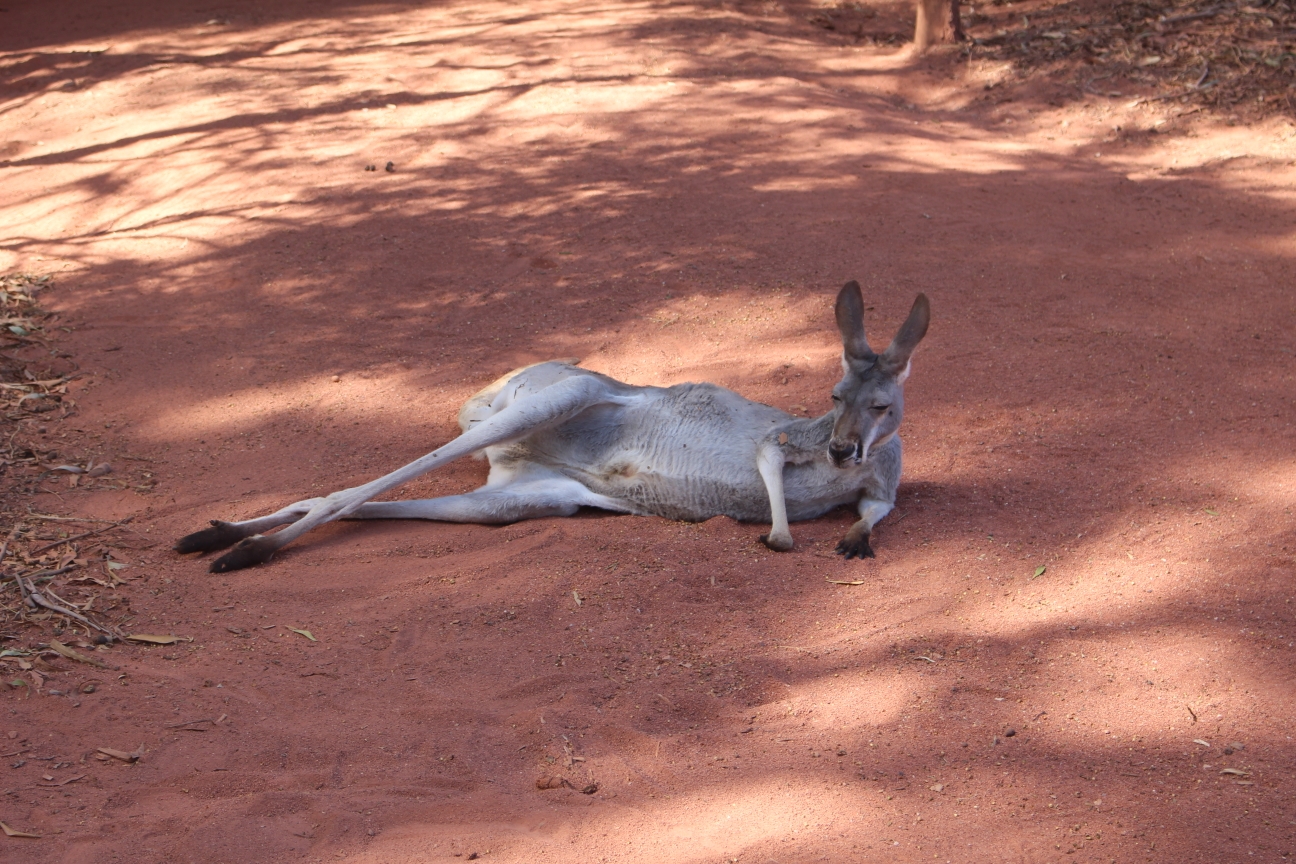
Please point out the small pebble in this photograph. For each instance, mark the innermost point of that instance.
(1010, 733)
(88, 688)
(391, 166)
(336, 378)
(54, 692)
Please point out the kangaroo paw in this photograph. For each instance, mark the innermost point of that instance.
(219, 536)
(855, 546)
(248, 552)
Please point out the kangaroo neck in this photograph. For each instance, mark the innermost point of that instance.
(809, 435)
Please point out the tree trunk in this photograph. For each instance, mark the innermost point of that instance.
(937, 21)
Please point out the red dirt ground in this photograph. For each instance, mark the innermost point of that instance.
(673, 193)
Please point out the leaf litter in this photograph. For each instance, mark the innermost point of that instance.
(57, 573)
(1234, 58)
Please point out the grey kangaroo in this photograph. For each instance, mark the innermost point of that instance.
(559, 438)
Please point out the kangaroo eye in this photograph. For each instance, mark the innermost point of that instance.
(836, 398)
(880, 408)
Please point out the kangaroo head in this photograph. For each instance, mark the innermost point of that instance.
(868, 403)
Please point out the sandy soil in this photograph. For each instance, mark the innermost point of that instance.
(672, 193)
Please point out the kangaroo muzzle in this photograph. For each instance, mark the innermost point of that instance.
(841, 451)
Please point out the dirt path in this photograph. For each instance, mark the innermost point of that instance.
(1083, 598)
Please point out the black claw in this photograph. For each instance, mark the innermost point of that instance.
(249, 552)
(219, 536)
(852, 548)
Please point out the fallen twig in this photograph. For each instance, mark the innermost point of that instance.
(63, 782)
(50, 574)
(190, 723)
(1193, 16)
(4, 548)
(22, 589)
(81, 536)
(49, 517)
(35, 598)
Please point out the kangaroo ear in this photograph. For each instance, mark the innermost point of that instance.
(896, 357)
(850, 321)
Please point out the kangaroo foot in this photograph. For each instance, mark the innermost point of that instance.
(248, 552)
(219, 536)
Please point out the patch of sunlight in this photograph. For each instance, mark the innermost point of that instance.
(851, 704)
(352, 398)
(707, 824)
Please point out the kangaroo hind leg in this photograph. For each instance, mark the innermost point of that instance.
(479, 405)
(533, 411)
(534, 498)
(224, 534)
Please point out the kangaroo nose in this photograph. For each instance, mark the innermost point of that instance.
(840, 452)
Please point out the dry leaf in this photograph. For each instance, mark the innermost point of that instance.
(13, 832)
(76, 655)
(1237, 772)
(576, 596)
(305, 633)
(157, 640)
(1201, 742)
(845, 581)
(1039, 571)
(123, 755)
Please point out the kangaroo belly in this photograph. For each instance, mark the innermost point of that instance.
(689, 498)
(738, 492)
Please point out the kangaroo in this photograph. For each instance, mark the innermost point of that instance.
(559, 438)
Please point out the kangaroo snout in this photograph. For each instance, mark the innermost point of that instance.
(840, 451)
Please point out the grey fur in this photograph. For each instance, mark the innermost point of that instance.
(559, 437)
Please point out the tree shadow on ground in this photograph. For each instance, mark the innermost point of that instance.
(1093, 334)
